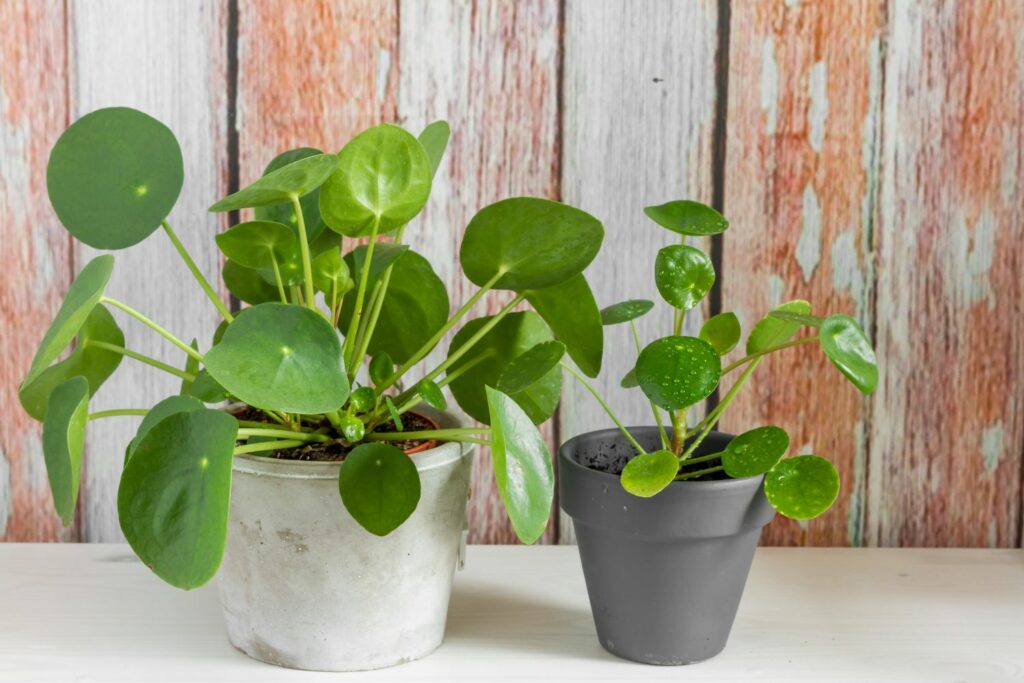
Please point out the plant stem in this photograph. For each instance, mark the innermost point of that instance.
(153, 326)
(114, 348)
(277, 278)
(678, 429)
(263, 425)
(203, 282)
(307, 265)
(703, 458)
(765, 352)
(716, 414)
(654, 408)
(699, 473)
(364, 278)
(284, 433)
(425, 349)
(119, 412)
(607, 409)
(267, 446)
(363, 335)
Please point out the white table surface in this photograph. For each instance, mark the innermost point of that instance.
(94, 613)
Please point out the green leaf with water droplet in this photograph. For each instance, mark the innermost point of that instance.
(722, 331)
(754, 452)
(802, 487)
(624, 311)
(676, 372)
(688, 218)
(649, 473)
(771, 331)
(684, 275)
(846, 345)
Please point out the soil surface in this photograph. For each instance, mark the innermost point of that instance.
(334, 451)
(612, 457)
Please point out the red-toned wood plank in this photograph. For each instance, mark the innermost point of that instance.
(947, 428)
(33, 112)
(800, 191)
(491, 70)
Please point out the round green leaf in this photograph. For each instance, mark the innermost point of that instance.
(379, 486)
(846, 345)
(688, 218)
(174, 493)
(83, 295)
(802, 487)
(431, 394)
(415, 307)
(352, 428)
(530, 366)
(285, 212)
(381, 368)
(489, 357)
(755, 452)
(434, 139)
(649, 473)
(165, 408)
(383, 175)
(247, 284)
(113, 177)
(571, 312)
(331, 274)
(281, 357)
(629, 380)
(532, 243)
(684, 275)
(522, 466)
(676, 372)
(295, 179)
(771, 331)
(363, 400)
(63, 440)
(257, 244)
(95, 364)
(624, 311)
(207, 389)
(722, 331)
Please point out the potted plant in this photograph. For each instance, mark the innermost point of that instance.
(308, 447)
(667, 518)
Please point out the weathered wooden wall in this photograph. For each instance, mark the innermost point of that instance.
(868, 153)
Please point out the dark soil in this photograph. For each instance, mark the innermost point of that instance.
(612, 457)
(334, 451)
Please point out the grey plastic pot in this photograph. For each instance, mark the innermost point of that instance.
(664, 574)
(304, 586)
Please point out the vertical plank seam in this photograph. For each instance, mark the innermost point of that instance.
(556, 419)
(232, 117)
(718, 157)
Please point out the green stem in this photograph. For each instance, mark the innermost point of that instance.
(267, 446)
(153, 326)
(119, 412)
(277, 278)
(704, 458)
(284, 433)
(203, 282)
(357, 308)
(654, 408)
(607, 409)
(366, 333)
(678, 429)
(265, 425)
(716, 414)
(765, 352)
(699, 473)
(96, 344)
(363, 335)
(432, 342)
(307, 264)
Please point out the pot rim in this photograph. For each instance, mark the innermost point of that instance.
(717, 484)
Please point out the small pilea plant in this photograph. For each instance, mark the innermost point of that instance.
(676, 372)
(294, 358)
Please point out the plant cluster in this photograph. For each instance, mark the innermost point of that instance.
(677, 372)
(316, 318)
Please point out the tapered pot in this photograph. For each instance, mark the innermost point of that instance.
(664, 574)
(304, 586)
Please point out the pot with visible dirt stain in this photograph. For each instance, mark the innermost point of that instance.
(303, 585)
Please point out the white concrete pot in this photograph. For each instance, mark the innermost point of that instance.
(304, 586)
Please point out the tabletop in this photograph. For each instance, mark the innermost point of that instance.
(92, 612)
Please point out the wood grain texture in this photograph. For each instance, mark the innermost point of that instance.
(637, 129)
(33, 112)
(800, 191)
(167, 59)
(947, 429)
(491, 70)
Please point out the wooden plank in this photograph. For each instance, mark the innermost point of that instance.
(947, 429)
(637, 129)
(167, 59)
(491, 70)
(800, 191)
(33, 112)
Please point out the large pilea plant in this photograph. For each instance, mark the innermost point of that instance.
(294, 357)
(677, 372)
